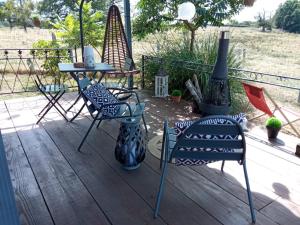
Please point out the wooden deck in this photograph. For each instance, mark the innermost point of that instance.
(55, 184)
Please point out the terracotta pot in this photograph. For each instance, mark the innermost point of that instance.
(272, 132)
(36, 22)
(176, 98)
(249, 2)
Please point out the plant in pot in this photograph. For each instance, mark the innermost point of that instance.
(176, 96)
(273, 126)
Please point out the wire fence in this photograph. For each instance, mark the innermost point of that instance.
(283, 81)
(18, 67)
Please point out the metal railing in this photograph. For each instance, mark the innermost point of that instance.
(283, 81)
(19, 66)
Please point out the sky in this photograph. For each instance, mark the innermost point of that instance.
(249, 13)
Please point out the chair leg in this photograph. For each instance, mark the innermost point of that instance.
(49, 103)
(87, 133)
(161, 189)
(50, 107)
(99, 123)
(162, 152)
(249, 193)
(222, 167)
(56, 101)
(54, 97)
(77, 114)
(74, 103)
(145, 125)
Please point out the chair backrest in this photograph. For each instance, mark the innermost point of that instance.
(115, 47)
(212, 138)
(256, 97)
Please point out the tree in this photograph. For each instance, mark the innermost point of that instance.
(8, 12)
(17, 13)
(158, 15)
(24, 11)
(93, 27)
(53, 9)
(287, 16)
(263, 22)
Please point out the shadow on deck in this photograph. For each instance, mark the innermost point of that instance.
(55, 184)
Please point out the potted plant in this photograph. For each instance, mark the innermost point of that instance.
(36, 21)
(176, 96)
(273, 125)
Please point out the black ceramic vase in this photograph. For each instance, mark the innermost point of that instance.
(130, 148)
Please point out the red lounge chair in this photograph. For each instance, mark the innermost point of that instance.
(257, 99)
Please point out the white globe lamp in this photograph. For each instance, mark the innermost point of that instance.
(186, 11)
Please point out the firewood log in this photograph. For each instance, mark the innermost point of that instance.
(190, 86)
(197, 87)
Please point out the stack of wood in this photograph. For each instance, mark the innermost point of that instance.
(194, 88)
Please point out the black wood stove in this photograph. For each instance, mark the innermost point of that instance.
(216, 99)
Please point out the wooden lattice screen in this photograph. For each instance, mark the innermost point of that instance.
(115, 48)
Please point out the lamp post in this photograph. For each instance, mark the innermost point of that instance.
(186, 12)
(81, 29)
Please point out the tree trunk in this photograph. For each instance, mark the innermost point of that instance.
(192, 40)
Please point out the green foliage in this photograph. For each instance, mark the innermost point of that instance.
(274, 122)
(53, 9)
(287, 16)
(176, 92)
(157, 15)
(50, 64)
(181, 64)
(68, 28)
(17, 12)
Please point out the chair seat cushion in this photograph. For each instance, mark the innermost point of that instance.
(54, 88)
(100, 96)
(181, 126)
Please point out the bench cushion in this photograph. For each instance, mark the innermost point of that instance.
(100, 96)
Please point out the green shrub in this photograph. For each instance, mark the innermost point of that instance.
(176, 92)
(274, 122)
(50, 64)
(181, 64)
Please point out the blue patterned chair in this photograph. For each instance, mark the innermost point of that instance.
(206, 140)
(103, 104)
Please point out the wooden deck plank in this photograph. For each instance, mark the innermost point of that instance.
(149, 186)
(207, 199)
(117, 199)
(30, 202)
(180, 210)
(68, 200)
(200, 192)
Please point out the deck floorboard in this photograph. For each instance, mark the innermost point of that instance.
(55, 184)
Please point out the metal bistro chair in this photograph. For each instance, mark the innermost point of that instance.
(207, 140)
(52, 92)
(102, 104)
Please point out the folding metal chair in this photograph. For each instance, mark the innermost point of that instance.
(257, 99)
(52, 92)
(102, 104)
(207, 140)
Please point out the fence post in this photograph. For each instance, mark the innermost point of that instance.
(143, 71)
